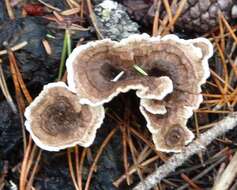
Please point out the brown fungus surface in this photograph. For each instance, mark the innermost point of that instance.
(167, 74)
(56, 119)
(93, 68)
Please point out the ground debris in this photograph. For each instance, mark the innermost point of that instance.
(10, 130)
(113, 21)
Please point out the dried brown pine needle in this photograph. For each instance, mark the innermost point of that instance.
(47, 47)
(221, 28)
(9, 9)
(77, 163)
(221, 53)
(14, 48)
(34, 169)
(221, 80)
(49, 6)
(190, 182)
(125, 152)
(168, 10)
(176, 16)
(16, 71)
(71, 170)
(156, 18)
(93, 19)
(132, 169)
(136, 164)
(58, 16)
(4, 88)
(99, 152)
(30, 148)
(212, 111)
(71, 11)
(73, 3)
(232, 33)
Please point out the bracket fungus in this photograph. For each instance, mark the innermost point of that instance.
(56, 119)
(172, 71)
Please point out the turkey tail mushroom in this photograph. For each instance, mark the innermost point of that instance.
(166, 73)
(56, 120)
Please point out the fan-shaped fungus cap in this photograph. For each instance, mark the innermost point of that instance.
(154, 67)
(167, 119)
(56, 120)
(93, 67)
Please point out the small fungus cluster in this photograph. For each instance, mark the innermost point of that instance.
(166, 73)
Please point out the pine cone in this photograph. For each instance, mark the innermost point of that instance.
(202, 15)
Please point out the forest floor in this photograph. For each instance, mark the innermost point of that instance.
(32, 39)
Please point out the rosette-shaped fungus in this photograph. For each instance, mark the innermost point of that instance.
(56, 119)
(167, 74)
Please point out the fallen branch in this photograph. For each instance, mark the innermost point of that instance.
(224, 181)
(221, 127)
